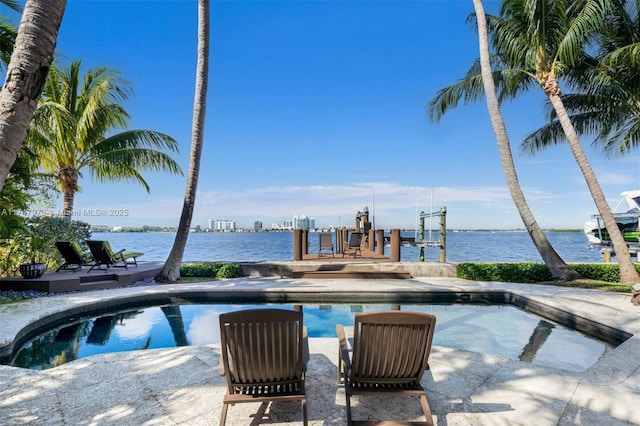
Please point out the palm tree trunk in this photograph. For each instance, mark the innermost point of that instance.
(26, 75)
(558, 268)
(171, 271)
(628, 272)
(68, 178)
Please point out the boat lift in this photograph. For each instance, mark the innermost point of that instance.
(441, 242)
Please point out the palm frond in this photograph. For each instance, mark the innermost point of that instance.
(74, 117)
(140, 149)
(7, 40)
(589, 18)
(12, 4)
(623, 139)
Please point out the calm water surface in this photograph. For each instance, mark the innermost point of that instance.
(477, 328)
(464, 246)
(465, 327)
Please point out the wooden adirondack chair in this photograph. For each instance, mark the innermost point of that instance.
(390, 354)
(264, 357)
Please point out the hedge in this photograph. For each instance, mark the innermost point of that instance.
(214, 270)
(534, 272)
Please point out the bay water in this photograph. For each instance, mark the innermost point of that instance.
(461, 246)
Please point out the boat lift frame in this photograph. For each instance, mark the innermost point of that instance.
(441, 242)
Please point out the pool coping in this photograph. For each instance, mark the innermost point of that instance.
(568, 306)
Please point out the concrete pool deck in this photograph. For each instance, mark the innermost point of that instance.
(179, 386)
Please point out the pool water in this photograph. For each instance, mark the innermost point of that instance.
(500, 330)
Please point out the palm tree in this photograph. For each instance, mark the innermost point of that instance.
(558, 268)
(70, 127)
(536, 42)
(606, 101)
(26, 75)
(171, 270)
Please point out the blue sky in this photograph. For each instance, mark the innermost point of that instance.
(319, 108)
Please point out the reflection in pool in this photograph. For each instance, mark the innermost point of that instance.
(501, 330)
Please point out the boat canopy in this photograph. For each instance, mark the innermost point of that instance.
(632, 198)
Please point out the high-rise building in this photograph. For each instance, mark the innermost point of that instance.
(257, 225)
(225, 225)
(300, 222)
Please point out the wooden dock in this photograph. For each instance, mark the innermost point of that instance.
(82, 279)
(365, 255)
(370, 265)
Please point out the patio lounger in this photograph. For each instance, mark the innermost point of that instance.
(104, 255)
(264, 357)
(390, 354)
(73, 255)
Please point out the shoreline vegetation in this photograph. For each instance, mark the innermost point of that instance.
(603, 277)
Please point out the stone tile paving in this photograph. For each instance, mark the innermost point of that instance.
(180, 386)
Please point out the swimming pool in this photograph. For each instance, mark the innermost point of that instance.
(498, 329)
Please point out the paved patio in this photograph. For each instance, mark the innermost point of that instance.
(179, 386)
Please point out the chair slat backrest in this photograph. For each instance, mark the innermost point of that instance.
(71, 252)
(391, 347)
(95, 247)
(262, 347)
(100, 250)
(355, 240)
(326, 241)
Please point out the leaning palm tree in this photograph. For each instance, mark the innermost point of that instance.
(26, 74)
(536, 42)
(73, 130)
(171, 270)
(558, 268)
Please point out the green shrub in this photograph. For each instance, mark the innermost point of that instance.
(214, 270)
(230, 270)
(534, 272)
(199, 270)
(606, 272)
(507, 272)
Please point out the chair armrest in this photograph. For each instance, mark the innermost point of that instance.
(221, 363)
(118, 254)
(344, 363)
(305, 348)
(343, 346)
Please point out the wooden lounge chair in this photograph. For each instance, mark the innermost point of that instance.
(326, 244)
(390, 354)
(353, 246)
(73, 255)
(264, 357)
(104, 255)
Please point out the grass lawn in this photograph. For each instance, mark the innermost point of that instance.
(592, 284)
